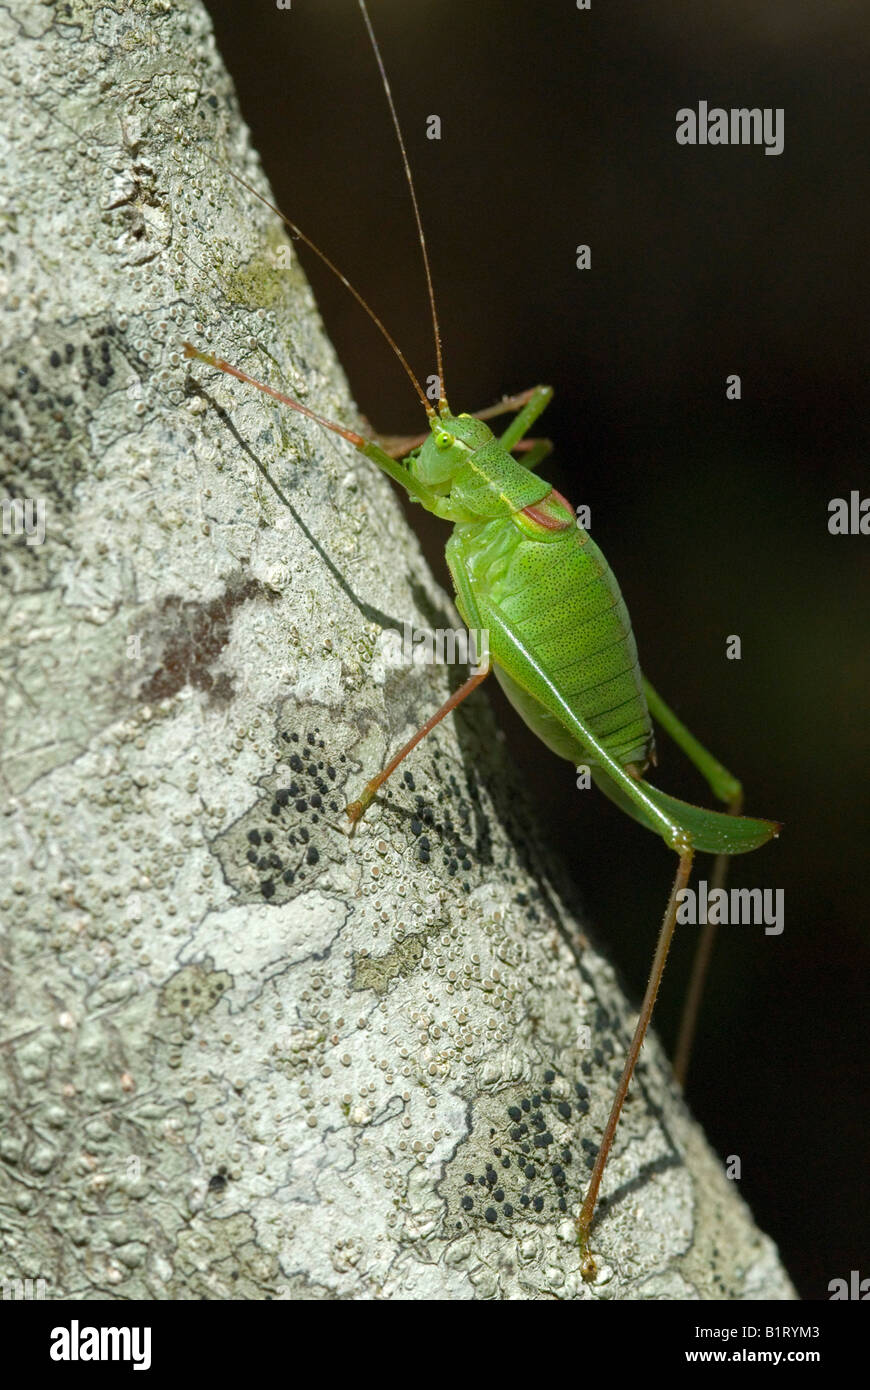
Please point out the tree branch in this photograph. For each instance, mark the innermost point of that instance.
(245, 1055)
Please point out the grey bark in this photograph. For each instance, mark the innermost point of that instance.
(243, 1055)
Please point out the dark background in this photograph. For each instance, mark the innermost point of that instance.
(558, 127)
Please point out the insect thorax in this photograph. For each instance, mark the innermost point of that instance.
(462, 459)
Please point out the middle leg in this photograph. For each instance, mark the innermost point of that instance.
(356, 809)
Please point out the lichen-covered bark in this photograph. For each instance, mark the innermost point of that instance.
(244, 1055)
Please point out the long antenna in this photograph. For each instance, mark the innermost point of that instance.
(358, 440)
(298, 232)
(442, 404)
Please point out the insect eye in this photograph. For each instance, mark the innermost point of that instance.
(443, 440)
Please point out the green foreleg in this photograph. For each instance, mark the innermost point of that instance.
(539, 399)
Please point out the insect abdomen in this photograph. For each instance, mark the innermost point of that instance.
(561, 599)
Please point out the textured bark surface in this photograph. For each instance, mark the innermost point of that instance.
(243, 1055)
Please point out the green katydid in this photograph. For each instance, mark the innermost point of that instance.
(560, 637)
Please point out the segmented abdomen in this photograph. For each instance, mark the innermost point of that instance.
(561, 599)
